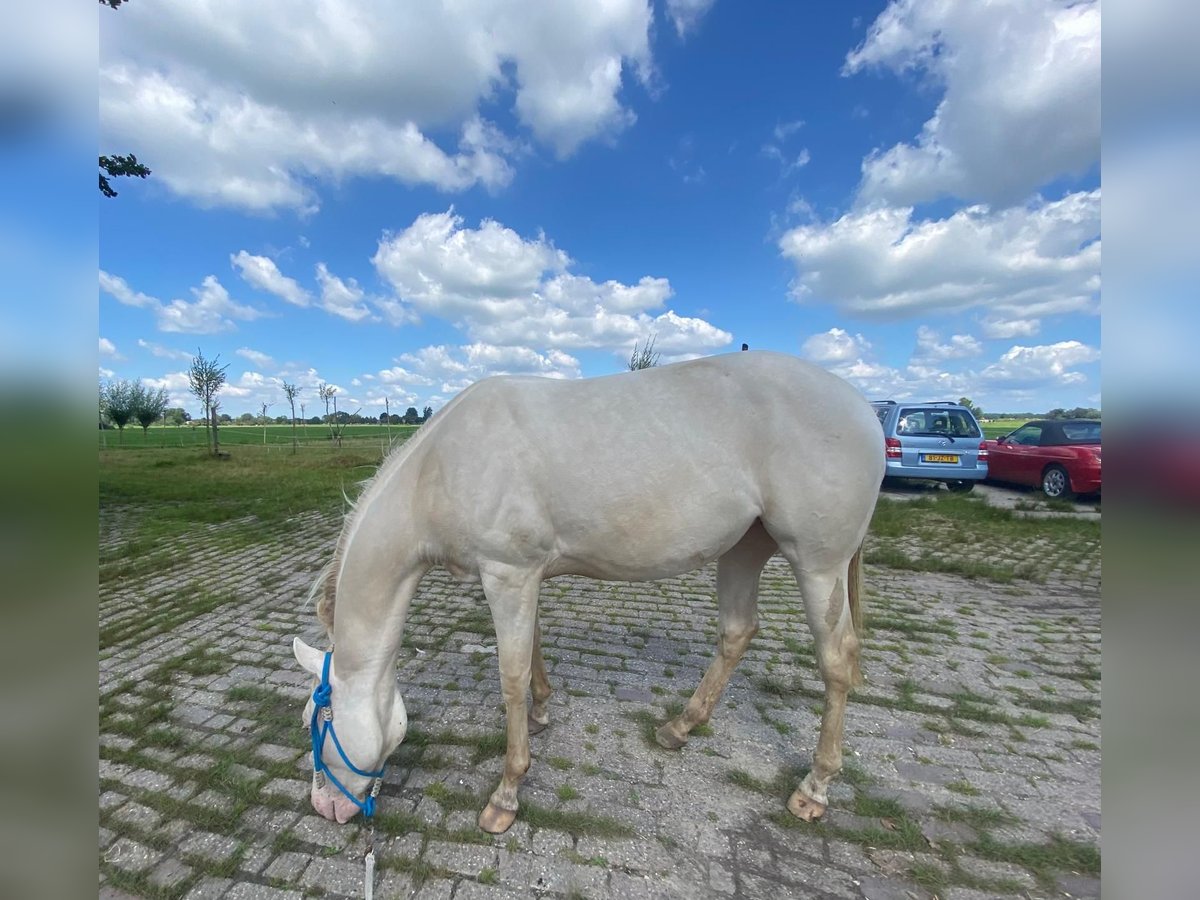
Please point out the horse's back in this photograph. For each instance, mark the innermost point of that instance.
(664, 468)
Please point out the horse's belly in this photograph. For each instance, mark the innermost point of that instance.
(650, 547)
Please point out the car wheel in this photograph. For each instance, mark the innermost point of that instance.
(961, 487)
(1055, 483)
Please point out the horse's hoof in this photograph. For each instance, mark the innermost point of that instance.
(668, 738)
(495, 820)
(805, 808)
(535, 727)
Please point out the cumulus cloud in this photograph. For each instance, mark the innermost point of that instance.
(211, 312)
(1020, 103)
(834, 347)
(163, 352)
(260, 359)
(1022, 262)
(362, 87)
(118, 289)
(109, 349)
(685, 15)
(930, 350)
(1029, 367)
(262, 273)
(451, 369)
(506, 290)
(1003, 327)
(343, 298)
(949, 369)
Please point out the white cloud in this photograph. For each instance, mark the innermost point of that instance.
(178, 389)
(1001, 327)
(360, 87)
(505, 290)
(1031, 367)
(452, 369)
(117, 288)
(834, 347)
(164, 352)
(930, 351)
(109, 349)
(212, 311)
(1022, 262)
(686, 14)
(262, 273)
(255, 356)
(1021, 101)
(342, 298)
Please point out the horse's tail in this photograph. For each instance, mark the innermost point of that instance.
(854, 591)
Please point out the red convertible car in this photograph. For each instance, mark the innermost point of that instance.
(1061, 456)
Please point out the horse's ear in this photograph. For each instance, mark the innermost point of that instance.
(310, 658)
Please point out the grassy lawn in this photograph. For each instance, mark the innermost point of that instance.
(278, 436)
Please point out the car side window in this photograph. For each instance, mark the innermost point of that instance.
(1027, 436)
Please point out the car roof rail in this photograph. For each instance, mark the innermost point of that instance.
(939, 403)
(888, 402)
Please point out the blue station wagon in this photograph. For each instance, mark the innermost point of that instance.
(938, 441)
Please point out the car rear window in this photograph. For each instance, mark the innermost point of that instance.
(1081, 432)
(954, 422)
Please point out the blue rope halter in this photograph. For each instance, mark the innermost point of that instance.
(322, 726)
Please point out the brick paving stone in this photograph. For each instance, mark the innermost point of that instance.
(248, 890)
(170, 873)
(130, 855)
(288, 866)
(874, 887)
(213, 847)
(986, 868)
(609, 648)
(335, 876)
(462, 859)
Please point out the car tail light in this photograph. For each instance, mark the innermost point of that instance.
(983, 450)
(892, 447)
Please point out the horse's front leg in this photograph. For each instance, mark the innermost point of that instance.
(512, 594)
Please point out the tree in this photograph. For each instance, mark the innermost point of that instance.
(117, 404)
(176, 415)
(148, 406)
(426, 414)
(975, 410)
(205, 380)
(411, 416)
(646, 358)
(118, 166)
(290, 391)
(265, 407)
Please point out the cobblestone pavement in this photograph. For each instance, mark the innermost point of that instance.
(972, 765)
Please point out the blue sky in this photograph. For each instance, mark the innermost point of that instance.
(399, 203)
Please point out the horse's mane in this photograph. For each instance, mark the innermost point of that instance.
(324, 589)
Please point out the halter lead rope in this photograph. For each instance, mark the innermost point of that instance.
(321, 727)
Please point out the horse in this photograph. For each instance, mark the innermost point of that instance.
(636, 476)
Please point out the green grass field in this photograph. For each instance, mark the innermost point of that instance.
(997, 427)
(164, 436)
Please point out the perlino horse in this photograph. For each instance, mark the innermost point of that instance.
(628, 477)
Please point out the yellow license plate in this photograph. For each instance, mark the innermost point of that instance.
(941, 458)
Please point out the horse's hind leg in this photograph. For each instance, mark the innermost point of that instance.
(737, 616)
(828, 612)
(539, 686)
(512, 594)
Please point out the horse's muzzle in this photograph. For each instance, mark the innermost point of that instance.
(334, 807)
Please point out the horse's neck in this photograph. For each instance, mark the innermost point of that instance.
(376, 580)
